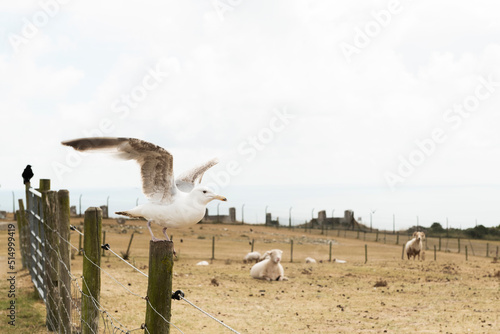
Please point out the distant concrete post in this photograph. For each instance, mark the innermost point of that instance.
(232, 215)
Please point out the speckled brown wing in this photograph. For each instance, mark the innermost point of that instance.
(156, 163)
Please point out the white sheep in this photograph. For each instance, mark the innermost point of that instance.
(415, 246)
(310, 260)
(252, 256)
(271, 268)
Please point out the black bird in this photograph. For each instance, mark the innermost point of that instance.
(27, 174)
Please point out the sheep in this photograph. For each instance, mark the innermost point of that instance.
(270, 269)
(252, 256)
(310, 260)
(415, 246)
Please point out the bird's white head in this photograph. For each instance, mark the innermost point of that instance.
(205, 195)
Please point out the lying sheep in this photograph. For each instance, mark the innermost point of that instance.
(252, 256)
(310, 260)
(271, 268)
(415, 246)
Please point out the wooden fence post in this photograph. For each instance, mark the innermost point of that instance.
(330, 258)
(213, 248)
(397, 238)
(253, 241)
(22, 227)
(104, 242)
(49, 204)
(403, 253)
(291, 250)
(159, 295)
(65, 255)
(487, 250)
(439, 243)
(91, 280)
(80, 238)
(466, 255)
(459, 245)
(366, 253)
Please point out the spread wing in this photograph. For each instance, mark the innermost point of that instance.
(155, 162)
(187, 180)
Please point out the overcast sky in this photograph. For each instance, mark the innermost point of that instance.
(331, 98)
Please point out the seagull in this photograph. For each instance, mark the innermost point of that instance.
(173, 203)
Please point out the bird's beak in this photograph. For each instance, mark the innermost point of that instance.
(219, 197)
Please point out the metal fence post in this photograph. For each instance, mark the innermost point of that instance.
(159, 297)
(65, 267)
(91, 279)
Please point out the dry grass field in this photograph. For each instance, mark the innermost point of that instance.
(449, 295)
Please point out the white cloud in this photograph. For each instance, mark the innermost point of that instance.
(352, 122)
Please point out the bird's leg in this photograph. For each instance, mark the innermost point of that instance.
(150, 231)
(168, 239)
(165, 234)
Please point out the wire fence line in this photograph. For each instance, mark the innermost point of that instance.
(72, 303)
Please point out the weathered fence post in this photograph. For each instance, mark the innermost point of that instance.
(376, 237)
(159, 295)
(65, 255)
(330, 258)
(213, 248)
(291, 250)
(80, 240)
(91, 279)
(21, 226)
(487, 250)
(434, 252)
(472, 248)
(357, 236)
(466, 255)
(130, 243)
(403, 253)
(397, 238)
(49, 204)
(459, 245)
(253, 241)
(104, 242)
(366, 253)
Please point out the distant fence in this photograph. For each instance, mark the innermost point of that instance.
(73, 303)
(443, 244)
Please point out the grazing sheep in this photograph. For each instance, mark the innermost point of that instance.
(310, 260)
(270, 269)
(252, 256)
(415, 246)
(202, 263)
